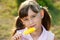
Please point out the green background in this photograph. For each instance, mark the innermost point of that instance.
(8, 13)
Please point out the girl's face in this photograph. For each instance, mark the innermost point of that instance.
(32, 20)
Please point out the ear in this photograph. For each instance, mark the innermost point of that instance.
(42, 13)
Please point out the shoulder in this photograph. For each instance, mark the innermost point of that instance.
(50, 35)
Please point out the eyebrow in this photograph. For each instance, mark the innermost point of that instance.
(24, 18)
(30, 16)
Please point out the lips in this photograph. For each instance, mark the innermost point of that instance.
(32, 26)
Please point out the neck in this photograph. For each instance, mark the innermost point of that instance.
(37, 33)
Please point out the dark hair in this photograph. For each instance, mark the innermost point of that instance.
(23, 12)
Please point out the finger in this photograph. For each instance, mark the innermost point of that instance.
(13, 38)
(18, 37)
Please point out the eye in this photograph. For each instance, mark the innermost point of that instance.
(25, 19)
(33, 16)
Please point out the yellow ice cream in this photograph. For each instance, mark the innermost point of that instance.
(30, 30)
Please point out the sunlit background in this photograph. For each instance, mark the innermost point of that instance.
(8, 13)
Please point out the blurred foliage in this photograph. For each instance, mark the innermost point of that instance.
(50, 4)
(8, 12)
(8, 7)
(54, 11)
(19, 2)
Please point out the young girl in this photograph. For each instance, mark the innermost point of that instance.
(32, 15)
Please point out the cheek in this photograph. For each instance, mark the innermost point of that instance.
(26, 24)
(38, 22)
(38, 19)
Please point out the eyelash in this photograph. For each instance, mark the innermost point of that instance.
(31, 17)
(25, 19)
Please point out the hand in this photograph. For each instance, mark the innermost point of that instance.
(18, 36)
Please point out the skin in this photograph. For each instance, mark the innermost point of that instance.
(29, 21)
(32, 20)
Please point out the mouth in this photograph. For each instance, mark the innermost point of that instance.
(32, 25)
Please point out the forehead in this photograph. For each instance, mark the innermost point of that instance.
(30, 12)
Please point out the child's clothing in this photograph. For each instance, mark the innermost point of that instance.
(45, 35)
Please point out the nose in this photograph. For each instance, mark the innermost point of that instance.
(31, 22)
